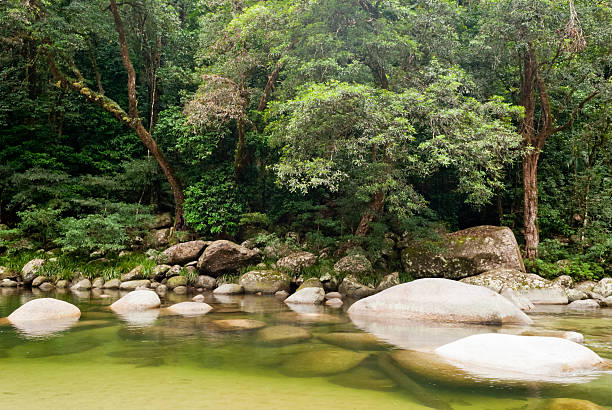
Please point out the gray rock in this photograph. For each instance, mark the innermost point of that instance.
(264, 281)
(351, 288)
(136, 273)
(190, 308)
(84, 284)
(520, 301)
(575, 294)
(238, 324)
(8, 283)
(307, 296)
(137, 300)
(537, 289)
(133, 284)
(464, 253)
(297, 261)
(39, 280)
(198, 298)
(607, 301)
(206, 282)
(184, 252)
(97, 283)
(604, 287)
(180, 290)
(330, 283)
(46, 286)
(174, 271)
(333, 295)
(281, 294)
(311, 283)
(585, 286)
(334, 302)
(160, 237)
(225, 256)
(30, 270)
(111, 284)
(161, 289)
(438, 300)
(7, 273)
(586, 304)
(388, 281)
(229, 289)
(277, 250)
(62, 284)
(353, 265)
(159, 271)
(565, 281)
(163, 221)
(176, 281)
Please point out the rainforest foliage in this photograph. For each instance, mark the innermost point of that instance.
(344, 121)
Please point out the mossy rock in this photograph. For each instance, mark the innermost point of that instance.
(176, 281)
(311, 283)
(264, 281)
(364, 378)
(238, 324)
(322, 362)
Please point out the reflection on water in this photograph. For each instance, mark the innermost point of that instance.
(157, 360)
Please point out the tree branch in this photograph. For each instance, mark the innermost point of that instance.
(575, 112)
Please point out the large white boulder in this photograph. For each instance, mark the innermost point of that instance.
(135, 301)
(44, 316)
(44, 309)
(190, 308)
(439, 300)
(503, 356)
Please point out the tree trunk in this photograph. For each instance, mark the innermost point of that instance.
(374, 207)
(136, 124)
(530, 213)
(268, 89)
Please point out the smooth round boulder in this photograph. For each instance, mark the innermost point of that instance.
(176, 281)
(264, 281)
(334, 303)
(282, 335)
(439, 300)
(311, 296)
(44, 309)
(137, 300)
(198, 298)
(111, 284)
(190, 308)
(504, 356)
(83, 284)
(30, 270)
(133, 284)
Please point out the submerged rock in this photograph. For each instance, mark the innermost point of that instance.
(282, 335)
(238, 324)
(293, 317)
(225, 256)
(180, 290)
(312, 296)
(504, 356)
(334, 303)
(364, 378)
(439, 300)
(354, 341)
(137, 300)
(464, 253)
(190, 308)
(570, 404)
(264, 281)
(322, 362)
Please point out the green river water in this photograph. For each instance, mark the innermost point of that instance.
(163, 361)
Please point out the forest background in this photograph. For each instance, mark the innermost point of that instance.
(347, 122)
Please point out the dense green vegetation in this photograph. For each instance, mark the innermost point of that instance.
(342, 120)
